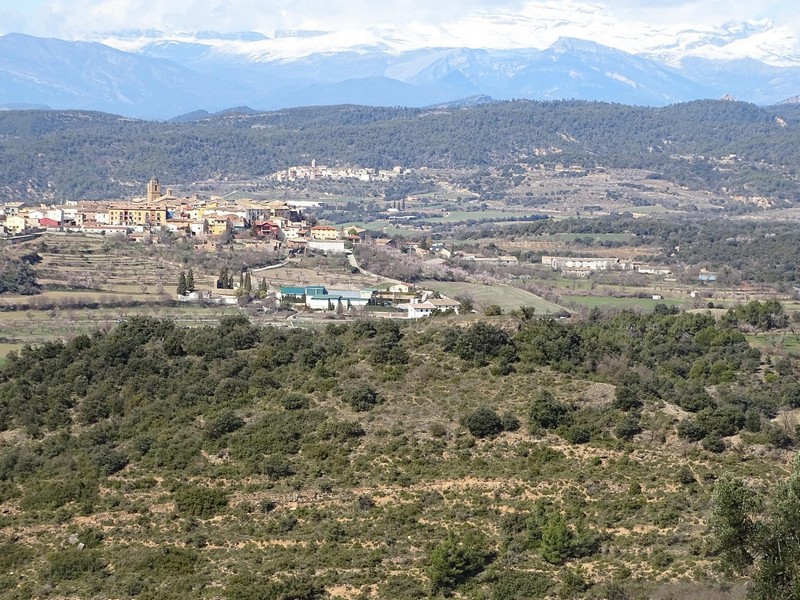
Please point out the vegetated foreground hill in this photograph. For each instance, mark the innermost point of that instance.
(729, 147)
(521, 458)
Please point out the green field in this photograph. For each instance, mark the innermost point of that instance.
(609, 301)
(777, 342)
(505, 297)
(480, 215)
(5, 349)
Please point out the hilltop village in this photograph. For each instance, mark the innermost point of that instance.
(160, 210)
(276, 226)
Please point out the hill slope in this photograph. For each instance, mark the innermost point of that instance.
(159, 462)
(727, 147)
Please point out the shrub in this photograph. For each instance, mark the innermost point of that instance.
(691, 430)
(685, 475)
(196, 501)
(402, 587)
(249, 587)
(493, 310)
(484, 422)
(107, 460)
(577, 433)
(295, 401)
(362, 398)
(627, 395)
(455, 561)
(437, 429)
(519, 585)
(629, 427)
(276, 467)
(72, 563)
(713, 443)
(51, 494)
(14, 555)
(546, 412)
(510, 421)
(480, 342)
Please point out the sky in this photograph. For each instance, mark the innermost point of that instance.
(79, 19)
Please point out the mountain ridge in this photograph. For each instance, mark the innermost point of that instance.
(170, 77)
(689, 144)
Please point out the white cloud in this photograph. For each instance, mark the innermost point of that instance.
(495, 23)
(697, 13)
(77, 17)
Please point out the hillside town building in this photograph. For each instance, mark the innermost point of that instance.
(275, 221)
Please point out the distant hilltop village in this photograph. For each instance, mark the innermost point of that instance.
(277, 221)
(318, 172)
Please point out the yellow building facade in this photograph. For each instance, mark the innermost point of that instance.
(136, 215)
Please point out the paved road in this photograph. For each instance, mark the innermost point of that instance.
(276, 266)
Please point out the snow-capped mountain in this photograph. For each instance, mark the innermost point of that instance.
(533, 26)
(160, 74)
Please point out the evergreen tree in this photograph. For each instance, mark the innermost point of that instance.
(190, 281)
(758, 536)
(262, 291)
(248, 283)
(456, 560)
(182, 284)
(557, 538)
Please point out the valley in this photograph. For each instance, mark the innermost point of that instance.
(230, 388)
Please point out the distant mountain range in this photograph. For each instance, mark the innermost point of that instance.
(153, 75)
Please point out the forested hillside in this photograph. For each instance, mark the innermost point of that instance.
(68, 154)
(518, 458)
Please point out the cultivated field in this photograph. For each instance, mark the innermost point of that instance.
(507, 298)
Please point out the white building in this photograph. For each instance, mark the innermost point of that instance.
(328, 246)
(417, 310)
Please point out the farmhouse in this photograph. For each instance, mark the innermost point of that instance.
(568, 263)
(324, 232)
(417, 310)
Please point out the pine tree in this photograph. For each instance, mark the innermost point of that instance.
(190, 281)
(756, 534)
(182, 284)
(248, 283)
(557, 538)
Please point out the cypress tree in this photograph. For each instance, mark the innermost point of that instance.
(182, 284)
